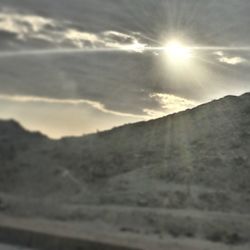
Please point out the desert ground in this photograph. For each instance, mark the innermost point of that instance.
(188, 189)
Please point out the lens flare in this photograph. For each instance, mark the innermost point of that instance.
(177, 52)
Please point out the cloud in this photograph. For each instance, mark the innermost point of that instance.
(232, 60)
(36, 99)
(229, 60)
(169, 104)
(113, 79)
(106, 39)
(61, 33)
(59, 120)
(65, 117)
(154, 113)
(218, 53)
(114, 39)
(80, 39)
(23, 26)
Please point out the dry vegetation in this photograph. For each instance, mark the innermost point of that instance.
(185, 176)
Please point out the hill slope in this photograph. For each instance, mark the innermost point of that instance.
(206, 146)
(183, 176)
(209, 144)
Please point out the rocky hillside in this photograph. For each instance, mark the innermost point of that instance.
(207, 146)
(182, 179)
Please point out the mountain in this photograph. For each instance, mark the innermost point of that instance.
(185, 175)
(208, 146)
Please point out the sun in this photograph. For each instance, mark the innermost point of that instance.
(177, 52)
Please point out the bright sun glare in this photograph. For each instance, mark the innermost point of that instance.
(177, 52)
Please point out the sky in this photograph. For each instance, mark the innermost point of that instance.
(69, 68)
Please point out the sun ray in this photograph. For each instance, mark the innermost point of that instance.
(175, 48)
(177, 52)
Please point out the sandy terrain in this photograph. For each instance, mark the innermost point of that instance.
(9, 247)
(98, 231)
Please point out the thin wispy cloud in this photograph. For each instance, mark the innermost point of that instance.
(62, 33)
(232, 60)
(36, 99)
(24, 26)
(81, 39)
(169, 104)
(229, 60)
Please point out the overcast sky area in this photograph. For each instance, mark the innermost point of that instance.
(75, 67)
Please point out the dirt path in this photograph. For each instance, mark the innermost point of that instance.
(9, 247)
(73, 235)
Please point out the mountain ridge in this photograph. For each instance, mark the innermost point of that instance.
(17, 123)
(184, 176)
(207, 145)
